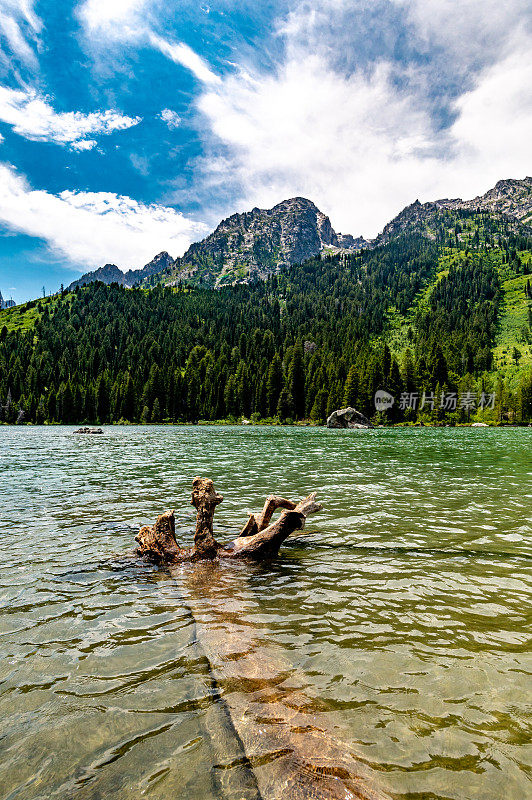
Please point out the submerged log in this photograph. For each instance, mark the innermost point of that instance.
(257, 524)
(286, 744)
(159, 540)
(259, 539)
(265, 541)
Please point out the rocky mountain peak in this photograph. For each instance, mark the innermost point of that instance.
(257, 243)
(109, 273)
(159, 263)
(254, 244)
(511, 184)
(410, 217)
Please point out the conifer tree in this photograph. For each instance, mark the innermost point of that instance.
(438, 367)
(285, 406)
(409, 375)
(274, 384)
(296, 382)
(334, 400)
(351, 388)
(102, 398)
(156, 411)
(525, 397)
(395, 388)
(318, 411)
(51, 408)
(127, 408)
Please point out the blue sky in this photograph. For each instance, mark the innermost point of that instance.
(132, 126)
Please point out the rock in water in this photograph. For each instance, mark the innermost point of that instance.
(89, 430)
(348, 418)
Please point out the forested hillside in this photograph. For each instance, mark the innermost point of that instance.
(416, 315)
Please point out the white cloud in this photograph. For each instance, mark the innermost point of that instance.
(93, 228)
(340, 119)
(474, 32)
(34, 118)
(110, 15)
(129, 21)
(24, 10)
(171, 118)
(349, 143)
(363, 143)
(182, 54)
(15, 40)
(449, 38)
(493, 129)
(19, 26)
(83, 144)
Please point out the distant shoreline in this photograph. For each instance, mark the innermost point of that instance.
(228, 423)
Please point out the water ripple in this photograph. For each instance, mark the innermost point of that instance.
(402, 616)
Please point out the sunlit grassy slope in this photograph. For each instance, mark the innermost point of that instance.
(514, 330)
(26, 315)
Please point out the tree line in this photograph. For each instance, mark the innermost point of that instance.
(296, 346)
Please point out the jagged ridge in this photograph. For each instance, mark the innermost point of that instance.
(510, 200)
(110, 273)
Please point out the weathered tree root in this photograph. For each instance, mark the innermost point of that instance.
(259, 539)
(257, 524)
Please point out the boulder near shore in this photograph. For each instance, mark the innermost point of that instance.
(348, 418)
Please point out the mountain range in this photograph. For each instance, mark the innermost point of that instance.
(257, 243)
(276, 316)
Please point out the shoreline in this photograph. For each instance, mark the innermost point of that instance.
(249, 424)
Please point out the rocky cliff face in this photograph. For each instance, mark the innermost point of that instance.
(161, 262)
(348, 242)
(257, 243)
(110, 273)
(413, 219)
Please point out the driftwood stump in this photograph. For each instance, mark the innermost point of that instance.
(284, 749)
(259, 538)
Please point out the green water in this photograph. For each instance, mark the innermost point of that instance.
(405, 612)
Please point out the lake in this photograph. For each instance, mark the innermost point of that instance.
(403, 614)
